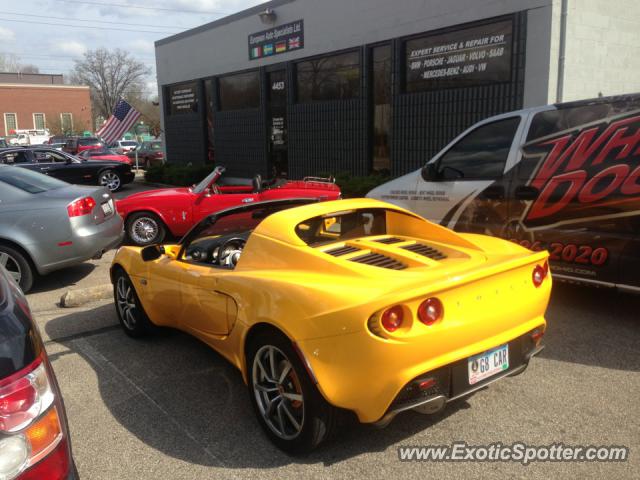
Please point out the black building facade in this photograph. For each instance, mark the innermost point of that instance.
(386, 106)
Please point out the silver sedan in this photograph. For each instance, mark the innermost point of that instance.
(47, 224)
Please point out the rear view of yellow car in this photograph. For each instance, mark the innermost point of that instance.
(352, 305)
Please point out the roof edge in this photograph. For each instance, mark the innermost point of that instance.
(222, 21)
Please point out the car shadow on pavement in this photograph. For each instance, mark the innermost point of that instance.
(181, 398)
(591, 326)
(66, 277)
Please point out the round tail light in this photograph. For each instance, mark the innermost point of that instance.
(392, 318)
(430, 311)
(538, 275)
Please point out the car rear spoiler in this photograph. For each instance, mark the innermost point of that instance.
(319, 179)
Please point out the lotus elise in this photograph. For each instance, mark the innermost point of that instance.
(354, 305)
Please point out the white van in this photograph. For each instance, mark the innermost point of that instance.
(562, 177)
(30, 137)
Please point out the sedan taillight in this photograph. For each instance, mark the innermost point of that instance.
(30, 427)
(81, 207)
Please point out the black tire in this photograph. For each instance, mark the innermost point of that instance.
(133, 319)
(316, 417)
(111, 180)
(18, 266)
(145, 228)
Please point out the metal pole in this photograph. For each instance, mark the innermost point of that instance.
(564, 10)
(137, 166)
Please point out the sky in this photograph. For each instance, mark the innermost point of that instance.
(52, 33)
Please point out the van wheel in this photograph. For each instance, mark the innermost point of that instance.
(289, 407)
(17, 266)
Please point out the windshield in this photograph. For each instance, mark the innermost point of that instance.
(29, 181)
(128, 144)
(88, 141)
(200, 187)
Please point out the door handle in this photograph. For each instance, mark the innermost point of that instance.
(247, 200)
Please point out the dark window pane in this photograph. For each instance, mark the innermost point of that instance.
(329, 78)
(482, 153)
(381, 108)
(553, 121)
(239, 91)
(209, 98)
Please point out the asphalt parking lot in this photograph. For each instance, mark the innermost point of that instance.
(170, 408)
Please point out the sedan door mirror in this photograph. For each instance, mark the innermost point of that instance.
(151, 253)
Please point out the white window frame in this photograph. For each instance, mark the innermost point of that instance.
(44, 121)
(62, 120)
(15, 115)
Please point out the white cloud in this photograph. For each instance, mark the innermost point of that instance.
(70, 47)
(141, 46)
(6, 35)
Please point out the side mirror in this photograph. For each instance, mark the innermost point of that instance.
(430, 172)
(151, 253)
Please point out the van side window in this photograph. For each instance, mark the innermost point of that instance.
(482, 153)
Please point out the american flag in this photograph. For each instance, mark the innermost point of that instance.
(119, 122)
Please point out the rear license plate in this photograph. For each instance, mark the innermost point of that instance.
(107, 209)
(487, 364)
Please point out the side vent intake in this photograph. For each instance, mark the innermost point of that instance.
(390, 240)
(378, 260)
(338, 252)
(426, 251)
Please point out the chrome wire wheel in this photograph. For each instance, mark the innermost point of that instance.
(144, 230)
(278, 392)
(111, 180)
(12, 266)
(126, 301)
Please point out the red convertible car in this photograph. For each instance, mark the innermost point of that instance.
(149, 216)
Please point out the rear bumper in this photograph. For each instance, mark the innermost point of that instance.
(360, 373)
(452, 381)
(86, 243)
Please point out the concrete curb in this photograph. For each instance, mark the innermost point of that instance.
(81, 296)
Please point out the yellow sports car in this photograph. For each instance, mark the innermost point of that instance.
(344, 305)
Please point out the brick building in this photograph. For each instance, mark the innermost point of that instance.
(36, 101)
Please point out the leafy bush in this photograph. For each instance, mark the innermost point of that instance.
(186, 175)
(354, 186)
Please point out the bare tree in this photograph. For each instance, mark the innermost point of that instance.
(111, 75)
(11, 63)
(149, 112)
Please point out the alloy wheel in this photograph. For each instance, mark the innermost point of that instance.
(110, 180)
(126, 301)
(144, 230)
(11, 265)
(278, 392)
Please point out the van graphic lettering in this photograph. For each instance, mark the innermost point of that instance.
(583, 173)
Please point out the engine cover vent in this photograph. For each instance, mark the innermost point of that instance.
(426, 251)
(338, 252)
(379, 260)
